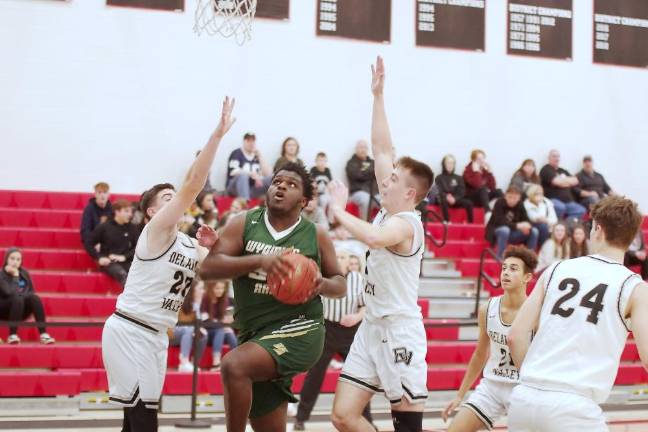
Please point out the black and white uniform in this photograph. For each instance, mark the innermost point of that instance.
(574, 358)
(389, 349)
(134, 340)
(490, 400)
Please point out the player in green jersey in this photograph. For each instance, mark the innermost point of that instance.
(277, 341)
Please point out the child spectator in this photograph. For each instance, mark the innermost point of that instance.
(540, 211)
(636, 254)
(289, 153)
(452, 190)
(578, 245)
(480, 182)
(183, 335)
(555, 249)
(238, 205)
(510, 224)
(321, 175)
(18, 300)
(214, 309)
(117, 239)
(526, 176)
(97, 211)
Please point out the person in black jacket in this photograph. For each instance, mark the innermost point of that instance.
(510, 224)
(362, 179)
(98, 210)
(17, 297)
(117, 239)
(452, 189)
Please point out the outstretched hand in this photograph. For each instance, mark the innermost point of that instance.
(339, 195)
(206, 236)
(226, 120)
(378, 77)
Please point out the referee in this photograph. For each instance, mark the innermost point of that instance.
(342, 318)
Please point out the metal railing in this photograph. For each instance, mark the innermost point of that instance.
(483, 276)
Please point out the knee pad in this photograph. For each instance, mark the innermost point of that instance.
(407, 421)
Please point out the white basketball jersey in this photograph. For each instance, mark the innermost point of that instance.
(500, 365)
(156, 288)
(393, 279)
(582, 330)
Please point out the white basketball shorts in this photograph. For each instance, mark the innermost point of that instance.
(549, 411)
(490, 401)
(135, 358)
(389, 356)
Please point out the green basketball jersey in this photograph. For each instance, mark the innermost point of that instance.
(254, 306)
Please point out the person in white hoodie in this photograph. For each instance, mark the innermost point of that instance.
(541, 212)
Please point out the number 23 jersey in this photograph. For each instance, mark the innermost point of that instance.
(582, 330)
(156, 287)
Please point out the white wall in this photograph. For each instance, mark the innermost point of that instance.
(89, 92)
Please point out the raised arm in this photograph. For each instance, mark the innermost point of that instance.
(163, 226)
(526, 321)
(381, 142)
(475, 366)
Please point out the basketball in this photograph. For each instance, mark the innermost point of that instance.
(298, 288)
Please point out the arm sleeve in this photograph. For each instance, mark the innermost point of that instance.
(606, 187)
(461, 189)
(490, 180)
(547, 175)
(6, 288)
(96, 237)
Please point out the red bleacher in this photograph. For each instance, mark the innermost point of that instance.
(46, 226)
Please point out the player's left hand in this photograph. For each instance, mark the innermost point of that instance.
(452, 406)
(317, 287)
(378, 77)
(226, 120)
(338, 193)
(206, 236)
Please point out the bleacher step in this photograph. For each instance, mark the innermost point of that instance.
(459, 308)
(39, 406)
(446, 287)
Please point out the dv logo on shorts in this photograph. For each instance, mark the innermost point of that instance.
(280, 349)
(401, 355)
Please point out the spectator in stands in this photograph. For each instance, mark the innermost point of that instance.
(541, 212)
(183, 335)
(636, 254)
(248, 174)
(555, 249)
(561, 187)
(289, 153)
(509, 223)
(592, 185)
(578, 245)
(480, 182)
(342, 318)
(526, 176)
(362, 179)
(452, 190)
(117, 239)
(238, 206)
(98, 210)
(321, 174)
(18, 300)
(314, 213)
(355, 264)
(214, 308)
(207, 214)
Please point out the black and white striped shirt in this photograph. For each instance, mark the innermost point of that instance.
(335, 309)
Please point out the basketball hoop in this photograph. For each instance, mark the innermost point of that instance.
(226, 17)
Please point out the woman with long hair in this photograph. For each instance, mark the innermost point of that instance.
(289, 153)
(18, 300)
(555, 249)
(526, 176)
(452, 189)
(578, 246)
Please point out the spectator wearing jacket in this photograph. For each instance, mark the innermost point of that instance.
(98, 210)
(480, 182)
(117, 239)
(362, 179)
(541, 212)
(592, 185)
(509, 223)
(18, 300)
(452, 190)
(526, 176)
(561, 188)
(248, 174)
(636, 254)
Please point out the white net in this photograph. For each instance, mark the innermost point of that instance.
(229, 18)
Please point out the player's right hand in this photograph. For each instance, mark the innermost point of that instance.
(378, 77)
(226, 120)
(452, 406)
(277, 264)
